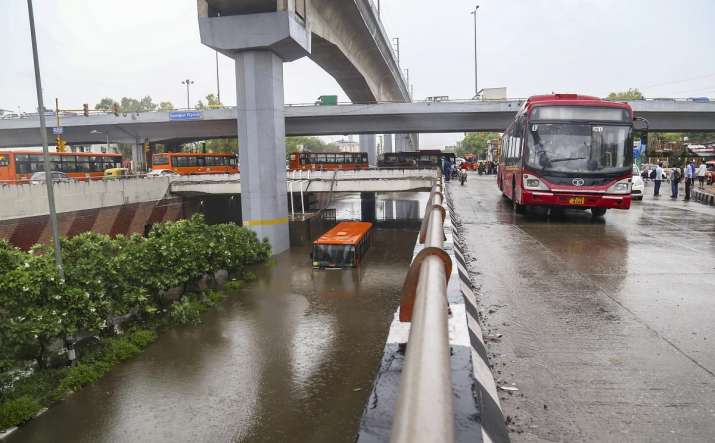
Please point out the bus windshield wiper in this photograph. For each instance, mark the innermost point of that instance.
(565, 159)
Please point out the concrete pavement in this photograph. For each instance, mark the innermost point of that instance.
(607, 324)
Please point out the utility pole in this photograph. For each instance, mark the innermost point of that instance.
(378, 9)
(218, 85)
(188, 83)
(45, 150)
(476, 84)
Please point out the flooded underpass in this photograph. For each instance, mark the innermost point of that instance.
(291, 357)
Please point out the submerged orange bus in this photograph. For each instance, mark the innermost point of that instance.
(18, 166)
(344, 246)
(348, 161)
(186, 163)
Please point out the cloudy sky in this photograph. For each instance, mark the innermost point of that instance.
(92, 49)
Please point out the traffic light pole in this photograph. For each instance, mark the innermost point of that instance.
(45, 150)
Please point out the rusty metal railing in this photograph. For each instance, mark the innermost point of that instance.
(425, 410)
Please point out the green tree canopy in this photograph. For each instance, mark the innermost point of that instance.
(630, 94)
(476, 142)
(313, 144)
(166, 106)
(212, 102)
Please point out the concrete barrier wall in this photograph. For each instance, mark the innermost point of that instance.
(21, 201)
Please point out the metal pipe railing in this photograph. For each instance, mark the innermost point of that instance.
(425, 410)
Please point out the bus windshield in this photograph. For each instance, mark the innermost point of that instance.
(333, 256)
(581, 148)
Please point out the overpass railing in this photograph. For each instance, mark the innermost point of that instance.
(425, 410)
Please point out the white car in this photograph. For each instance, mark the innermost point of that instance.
(638, 185)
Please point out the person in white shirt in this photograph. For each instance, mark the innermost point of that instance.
(700, 173)
(658, 179)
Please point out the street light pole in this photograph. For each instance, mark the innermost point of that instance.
(188, 83)
(476, 84)
(45, 150)
(218, 85)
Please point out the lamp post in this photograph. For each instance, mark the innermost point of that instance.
(45, 150)
(188, 83)
(218, 85)
(94, 131)
(476, 84)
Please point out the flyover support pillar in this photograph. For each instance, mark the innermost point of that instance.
(261, 131)
(387, 144)
(138, 160)
(259, 43)
(368, 144)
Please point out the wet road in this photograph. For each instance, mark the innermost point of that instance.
(608, 326)
(290, 358)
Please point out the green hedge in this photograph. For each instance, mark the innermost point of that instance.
(105, 278)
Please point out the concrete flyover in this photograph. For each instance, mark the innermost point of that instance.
(96, 194)
(335, 120)
(383, 180)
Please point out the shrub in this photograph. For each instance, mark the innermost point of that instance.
(17, 411)
(212, 298)
(186, 311)
(80, 375)
(119, 349)
(233, 285)
(142, 338)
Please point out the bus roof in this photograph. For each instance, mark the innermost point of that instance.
(344, 233)
(93, 154)
(197, 154)
(572, 100)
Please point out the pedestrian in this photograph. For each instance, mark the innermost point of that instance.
(658, 177)
(689, 176)
(674, 179)
(700, 173)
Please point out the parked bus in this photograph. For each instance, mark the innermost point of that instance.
(344, 246)
(414, 159)
(18, 166)
(186, 163)
(303, 161)
(568, 150)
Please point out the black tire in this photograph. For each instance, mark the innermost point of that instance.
(598, 212)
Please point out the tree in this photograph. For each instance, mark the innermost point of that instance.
(105, 104)
(212, 102)
(312, 144)
(476, 142)
(166, 106)
(630, 94)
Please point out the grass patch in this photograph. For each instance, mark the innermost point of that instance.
(17, 411)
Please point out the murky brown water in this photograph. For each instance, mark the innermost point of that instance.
(292, 357)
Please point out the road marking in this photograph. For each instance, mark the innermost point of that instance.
(266, 222)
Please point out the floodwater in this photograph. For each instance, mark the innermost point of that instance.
(291, 357)
(606, 325)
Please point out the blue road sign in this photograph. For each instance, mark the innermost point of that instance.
(58, 130)
(186, 115)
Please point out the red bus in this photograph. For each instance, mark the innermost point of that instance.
(349, 161)
(344, 246)
(18, 166)
(568, 150)
(186, 163)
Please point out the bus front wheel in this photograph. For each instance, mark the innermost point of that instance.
(598, 212)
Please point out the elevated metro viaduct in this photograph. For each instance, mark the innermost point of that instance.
(345, 38)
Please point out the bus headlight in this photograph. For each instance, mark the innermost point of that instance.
(533, 182)
(620, 187)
